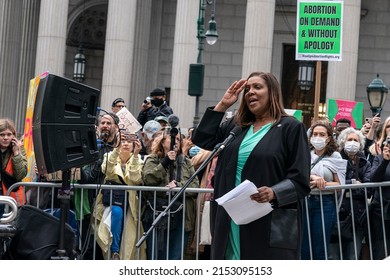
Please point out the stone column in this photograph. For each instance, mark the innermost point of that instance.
(154, 45)
(119, 49)
(341, 83)
(53, 18)
(259, 33)
(140, 76)
(184, 53)
(10, 34)
(30, 21)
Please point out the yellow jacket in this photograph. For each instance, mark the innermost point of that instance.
(111, 167)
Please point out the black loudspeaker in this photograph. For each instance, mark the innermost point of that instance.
(64, 133)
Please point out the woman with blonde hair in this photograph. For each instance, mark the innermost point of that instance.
(122, 166)
(380, 204)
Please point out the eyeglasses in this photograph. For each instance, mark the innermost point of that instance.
(3, 135)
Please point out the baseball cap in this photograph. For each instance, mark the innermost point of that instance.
(158, 92)
(161, 118)
(116, 101)
(151, 127)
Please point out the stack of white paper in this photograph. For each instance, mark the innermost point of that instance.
(240, 207)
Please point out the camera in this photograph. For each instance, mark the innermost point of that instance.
(387, 141)
(147, 100)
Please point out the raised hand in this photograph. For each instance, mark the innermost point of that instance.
(231, 95)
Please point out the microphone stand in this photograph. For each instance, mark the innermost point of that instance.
(217, 149)
(64, 195)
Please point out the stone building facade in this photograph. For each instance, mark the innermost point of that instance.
(134, 46)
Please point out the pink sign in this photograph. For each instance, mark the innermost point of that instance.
(345, 109)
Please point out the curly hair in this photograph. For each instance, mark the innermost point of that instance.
(331, 147)
(345, 133)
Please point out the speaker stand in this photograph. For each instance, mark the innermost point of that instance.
(64, 195)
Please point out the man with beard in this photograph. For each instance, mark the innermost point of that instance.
(107, 132)
(158, 107)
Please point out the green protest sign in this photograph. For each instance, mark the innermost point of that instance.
(295, 113)
(319, 30)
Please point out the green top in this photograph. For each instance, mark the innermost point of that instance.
(247, 145)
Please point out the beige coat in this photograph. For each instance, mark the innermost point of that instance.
(132, 176)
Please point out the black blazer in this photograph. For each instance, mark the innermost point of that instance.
(281, 160)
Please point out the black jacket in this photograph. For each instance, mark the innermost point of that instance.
(281, 160)
(361, 172)
(153, 112)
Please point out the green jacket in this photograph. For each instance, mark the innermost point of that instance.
(155, 174)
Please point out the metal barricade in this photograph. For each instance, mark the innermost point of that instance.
(370, 240)
(363, 236)
(83, 228)
(11, 209)
(7, 229)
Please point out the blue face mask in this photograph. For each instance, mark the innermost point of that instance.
(194, 151)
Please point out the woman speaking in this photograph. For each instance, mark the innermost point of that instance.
(272, 152)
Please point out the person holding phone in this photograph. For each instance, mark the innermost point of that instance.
(369, 128)
(13, 162)
(121, 166)
(380, 171)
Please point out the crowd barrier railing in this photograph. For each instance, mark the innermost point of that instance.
(94, 222)
(337, 191)
(365, 241)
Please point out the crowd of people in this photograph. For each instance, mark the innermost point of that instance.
(290, 166)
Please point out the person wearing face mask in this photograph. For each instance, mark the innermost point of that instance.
(327, 169)
(155, 108)
(351, 146)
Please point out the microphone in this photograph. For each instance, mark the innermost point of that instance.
(173, 121)
(173, 132)
(104, 136)
(232, 135)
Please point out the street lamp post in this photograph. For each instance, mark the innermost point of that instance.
(79, 58)
(377, 94)
(305, 82)
(79, 66)
(306, 75)
(196, 78)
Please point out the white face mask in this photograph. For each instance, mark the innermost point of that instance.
(351, 147)
(318, 143)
